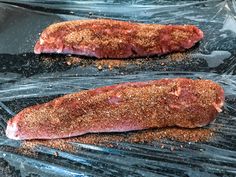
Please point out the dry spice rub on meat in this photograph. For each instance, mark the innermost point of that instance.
(106, 38)
(124, 107)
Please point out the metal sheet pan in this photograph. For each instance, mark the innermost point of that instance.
(27, 79)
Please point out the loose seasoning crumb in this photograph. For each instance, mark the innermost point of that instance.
(99, 67)
(56, 154)
(145, 136)
(162, 64)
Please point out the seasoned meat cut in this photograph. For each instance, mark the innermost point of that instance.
(124, 107)
(106, 38)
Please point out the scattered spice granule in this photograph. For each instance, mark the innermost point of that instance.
(144, 136)
(162, 146)
(162, 64)
(56, 153)
(99, 67)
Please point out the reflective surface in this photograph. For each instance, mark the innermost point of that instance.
(27, 79)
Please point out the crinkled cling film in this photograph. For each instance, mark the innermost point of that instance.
(27, 79)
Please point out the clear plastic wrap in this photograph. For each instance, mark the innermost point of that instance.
(27, 79)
